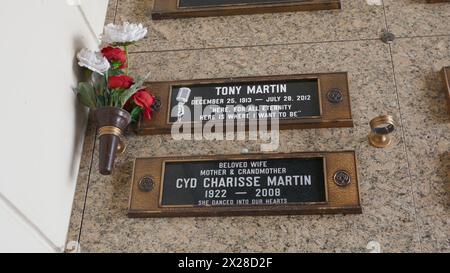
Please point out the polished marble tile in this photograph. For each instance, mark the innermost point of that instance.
(409, 18)
(426, 122)
(356, 20)
(386, 194)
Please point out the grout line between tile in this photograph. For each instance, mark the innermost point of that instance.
(87, 187)
(115, 11)
(405, 148)
(423, 36)
(253, 46)
(413, 192)
(386, 25)
(283, 44)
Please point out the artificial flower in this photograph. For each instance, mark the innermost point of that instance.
(116, 56)
(94, 61)
(120, 82)
(144, 100)
(123, 34)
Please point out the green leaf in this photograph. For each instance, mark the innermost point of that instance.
(116, 72)
(123, 44)
(126, 95)
(116, 65)
(86, 94)
(115, 97)
(98, 83)
(136, 113)
(101, 101)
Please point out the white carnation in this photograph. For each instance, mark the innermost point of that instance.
(123, 34)
(95, 61)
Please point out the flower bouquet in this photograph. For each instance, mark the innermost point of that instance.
(116, 98)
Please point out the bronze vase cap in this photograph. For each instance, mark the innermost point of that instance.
(381, 130)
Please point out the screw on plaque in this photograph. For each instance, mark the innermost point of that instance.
(387, 37)
(146, 184)
(342, 178)
(335, 96)
(156, 105)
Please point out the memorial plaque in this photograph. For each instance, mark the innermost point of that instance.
(446, 81)
(168, 9)
(292, 99)
(237, 182)
(218, 3)
(297, 101)
(438, 1)
(276, 184)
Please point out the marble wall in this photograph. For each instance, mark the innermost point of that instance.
(404, 188)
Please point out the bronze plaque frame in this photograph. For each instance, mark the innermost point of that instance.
(340, 199)
(333, 115)
(446, 80)
(169, 9)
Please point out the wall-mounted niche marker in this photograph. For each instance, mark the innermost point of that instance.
(275, 184)
(170, 9)
(300, 102)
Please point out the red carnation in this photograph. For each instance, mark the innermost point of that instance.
(144, 100)
(115, 56)
(120, 82)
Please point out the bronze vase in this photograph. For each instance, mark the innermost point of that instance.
(111, 123)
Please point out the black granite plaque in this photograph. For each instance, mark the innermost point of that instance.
(287, 100)
(215, 3)
(244, 182)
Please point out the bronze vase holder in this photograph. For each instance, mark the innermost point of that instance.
(111, 123)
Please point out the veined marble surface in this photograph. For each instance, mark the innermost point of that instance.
(404, 188)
